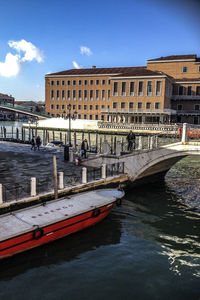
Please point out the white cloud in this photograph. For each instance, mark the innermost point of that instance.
(13, 63)
(11, 66)
(85, 50)
(31, 52)
(76, 66)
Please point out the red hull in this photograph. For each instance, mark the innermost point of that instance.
(53, 231)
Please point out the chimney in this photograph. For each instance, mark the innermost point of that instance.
(93, 67)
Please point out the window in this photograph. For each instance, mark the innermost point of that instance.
(108, 94)
(131, 105)
(90, 117)
(140, 88)
(63, 94)
(57, 106)
(52, 82)
(103, 94)
(79, 82)
(91, 94)
(79, 95)
(132, 86)
(91, 82)
(96, 117)
(102, 117)
(96, 107)
(68, 82)
(68, 94)
(91, 107)
(79, 116)
(57, 94)
(179, 107)
(97, 82)
(157, 105)
(180, 90)
(196, 107)
(139, 105)
(63, 106)
(79, 106)
(97, 94)
(123, 104)
(189, 90)
(85, 94)
(149, 88)
(123, 93)
(74, 82)
(185, 69)
(158, 88)
(115, 89)
(85, 82)
(148, 105)
(63, 82)
(114, 104)
(73, 106)
(74, 95)
(108, 81)
(57, 82)
(85, 117)
(52, 106)
(52, 95)
(103, 82)
(198, 90)
(102, 106)
(85, 107)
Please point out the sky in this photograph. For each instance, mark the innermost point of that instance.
(40, 37)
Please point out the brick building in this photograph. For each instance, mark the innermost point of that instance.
(167, 90)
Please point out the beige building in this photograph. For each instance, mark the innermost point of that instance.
(166, 90)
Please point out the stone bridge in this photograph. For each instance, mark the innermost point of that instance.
(150, 164)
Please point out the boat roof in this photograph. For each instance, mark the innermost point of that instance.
(28, 219)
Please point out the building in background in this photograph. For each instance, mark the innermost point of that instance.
(167, 90)
(6, 100)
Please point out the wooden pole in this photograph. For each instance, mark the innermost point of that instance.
(89, 141)
(96, 142)
(55, 177)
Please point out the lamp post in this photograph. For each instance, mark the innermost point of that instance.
(70, 116)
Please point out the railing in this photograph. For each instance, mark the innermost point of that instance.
(193, 112)
(139, 110)
(185, 97)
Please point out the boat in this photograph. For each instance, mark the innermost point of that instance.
(55, 144)
(31, 227)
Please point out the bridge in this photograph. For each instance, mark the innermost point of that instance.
(149, 164)
(24, 110)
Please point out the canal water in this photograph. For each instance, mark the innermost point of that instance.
(148, 248)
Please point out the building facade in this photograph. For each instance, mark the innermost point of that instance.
(167, 90)
(6, 100)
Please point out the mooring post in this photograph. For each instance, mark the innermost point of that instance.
(74, 139)
(71, 156)
(60, 180)
(151, 142)
(53, 135)
(103, 171)
(55, 177)
(33, 186)
(96, 142)
(84, 175)
(185, 133)
(1, 194)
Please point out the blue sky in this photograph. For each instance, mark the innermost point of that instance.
(47, 36)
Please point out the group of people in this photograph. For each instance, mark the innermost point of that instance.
(35, 143)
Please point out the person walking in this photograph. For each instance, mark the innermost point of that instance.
(131, 140)
(38, 142)
(84, 148)
(33, 143)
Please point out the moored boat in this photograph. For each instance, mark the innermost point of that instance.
(37, 225)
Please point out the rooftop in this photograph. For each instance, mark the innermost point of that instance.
(175, 57)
